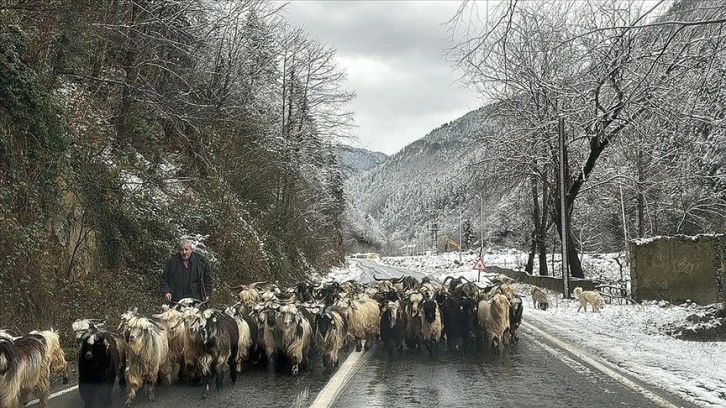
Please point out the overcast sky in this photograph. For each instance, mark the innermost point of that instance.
(393, 54)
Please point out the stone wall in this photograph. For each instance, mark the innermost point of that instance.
(679, 268)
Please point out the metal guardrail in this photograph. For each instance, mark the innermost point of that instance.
(613, 293)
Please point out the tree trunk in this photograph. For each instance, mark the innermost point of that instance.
(542, 233)
(573, 259)
(530, 258)
(566, 238)
(536, 222)
(124, 122)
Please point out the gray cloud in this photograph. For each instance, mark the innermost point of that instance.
(393, 52)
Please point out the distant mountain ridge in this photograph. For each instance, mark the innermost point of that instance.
(355, 160)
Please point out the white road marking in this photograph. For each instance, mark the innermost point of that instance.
(611, 371)
(53, 395)
(326, 397)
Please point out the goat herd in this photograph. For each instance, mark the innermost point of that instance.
(266, 325)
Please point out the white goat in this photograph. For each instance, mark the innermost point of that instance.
(363, 317)
(54, 355)
(493, 318)
(173, 320)
(148, 354)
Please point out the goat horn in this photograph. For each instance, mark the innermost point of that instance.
(254, 284)
(238, 287)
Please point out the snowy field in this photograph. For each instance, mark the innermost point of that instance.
(635, 338)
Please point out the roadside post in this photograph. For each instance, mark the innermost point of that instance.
(479, 265)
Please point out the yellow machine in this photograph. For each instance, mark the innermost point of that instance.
(448, 241)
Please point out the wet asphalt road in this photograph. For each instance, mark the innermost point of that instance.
(532, 373)
(528, 374)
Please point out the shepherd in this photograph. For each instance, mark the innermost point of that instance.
(186, 275)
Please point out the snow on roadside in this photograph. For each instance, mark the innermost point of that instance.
(635, 338)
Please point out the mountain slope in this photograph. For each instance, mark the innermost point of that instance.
(423, 186)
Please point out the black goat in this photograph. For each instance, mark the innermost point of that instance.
(98, 366)
(392, 327)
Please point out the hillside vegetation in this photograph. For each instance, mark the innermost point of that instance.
(125, 126)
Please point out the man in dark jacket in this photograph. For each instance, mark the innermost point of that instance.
(186, 274)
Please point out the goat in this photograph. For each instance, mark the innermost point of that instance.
(462, 287)
(220, 335)
(392, 327)
(460, 321)
(248, 295)
(148, 354)
(295, 335)
(505, 289)
(248, 336)
(328, 292)
(412, 320)
(431, 326)
(493, 316)
(23, 368)
(54, 355)
(172, 320)
(98, 366)
(515, 316)
(82, 326)
(266, 315)
(192, 348)
(330, 334)
(363, 317)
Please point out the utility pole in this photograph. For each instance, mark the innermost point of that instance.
(481, 225)
(460, 244)
(434, 237)
(563, 209)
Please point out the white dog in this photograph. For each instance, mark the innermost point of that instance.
(589, 296)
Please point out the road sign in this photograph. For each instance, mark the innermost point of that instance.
(479, 264)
